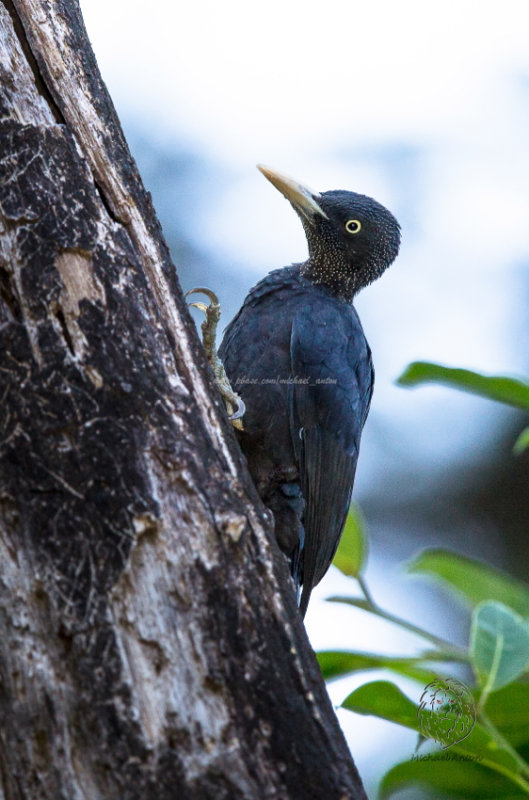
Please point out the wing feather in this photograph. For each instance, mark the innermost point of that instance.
(328, 404)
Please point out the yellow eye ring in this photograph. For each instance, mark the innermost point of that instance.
(353, 226)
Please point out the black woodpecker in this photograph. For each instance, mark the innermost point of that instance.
(298, 357)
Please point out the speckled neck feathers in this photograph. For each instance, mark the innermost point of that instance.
(343, 262)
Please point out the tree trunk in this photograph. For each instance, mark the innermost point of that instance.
(150, 646)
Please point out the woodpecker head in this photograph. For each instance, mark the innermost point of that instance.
(352, 239)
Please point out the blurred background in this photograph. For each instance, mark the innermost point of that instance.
(424, 107)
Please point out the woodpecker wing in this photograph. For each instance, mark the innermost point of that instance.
(332, 384)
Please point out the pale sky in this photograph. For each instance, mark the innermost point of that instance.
(310, 92)
(243, 79)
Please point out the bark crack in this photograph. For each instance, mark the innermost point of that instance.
(104, 199)
(8, 295)
(32, 62)
(59, 316)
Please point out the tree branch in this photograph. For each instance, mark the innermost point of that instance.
(150, 646)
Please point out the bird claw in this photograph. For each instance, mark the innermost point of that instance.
(234, 404)
(214, 300)
(240, 411)
(201, 307)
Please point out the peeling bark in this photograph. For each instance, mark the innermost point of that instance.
(150, 646)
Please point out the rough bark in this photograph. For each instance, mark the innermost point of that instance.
(150, 646)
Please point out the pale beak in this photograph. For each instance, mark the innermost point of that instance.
(304, 200)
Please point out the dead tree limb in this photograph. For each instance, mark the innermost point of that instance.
(150, 646)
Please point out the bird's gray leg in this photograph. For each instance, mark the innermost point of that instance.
(234, 403)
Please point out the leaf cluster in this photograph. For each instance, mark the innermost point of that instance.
(492, 761)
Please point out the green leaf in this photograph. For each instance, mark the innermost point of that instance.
(338, 663)
(385, 700)
(473, 580)
(508, 710)
(499, 645)
(351, 555)
(521, 443)
(511, 391)
(454, 778)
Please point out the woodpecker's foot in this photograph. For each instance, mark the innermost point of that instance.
(234, 403)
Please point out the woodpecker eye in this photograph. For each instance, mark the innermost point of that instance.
(353, 226)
